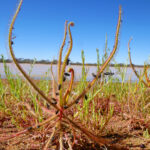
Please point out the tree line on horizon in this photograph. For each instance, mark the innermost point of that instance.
(55, 61)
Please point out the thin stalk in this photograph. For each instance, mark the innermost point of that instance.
(61, 140)
(99, 140)
(17, 64)
(53, 82)
(60, 52)
(2, 139)
(132, 66)
(50, 139)
(64, 63)
(104, 65)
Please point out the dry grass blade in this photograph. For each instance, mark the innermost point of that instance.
(50, 139)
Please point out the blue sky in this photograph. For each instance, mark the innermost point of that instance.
(39, 28)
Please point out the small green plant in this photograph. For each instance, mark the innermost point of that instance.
(83, 79)
(31, 68)
(60, 123)
(98, 59)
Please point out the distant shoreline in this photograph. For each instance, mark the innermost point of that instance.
(77, 64)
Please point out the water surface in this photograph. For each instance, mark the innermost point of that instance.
(43, 71)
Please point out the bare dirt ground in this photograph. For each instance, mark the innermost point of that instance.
(124, 129)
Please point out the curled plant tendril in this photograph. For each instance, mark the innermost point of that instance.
(66, 96)
(104, 65)
(133, 68)
(65, 62)
(60, 120)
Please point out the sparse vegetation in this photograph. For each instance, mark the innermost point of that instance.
(65, 114)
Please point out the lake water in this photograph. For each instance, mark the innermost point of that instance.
(43, 71)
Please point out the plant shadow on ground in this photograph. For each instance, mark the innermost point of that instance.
(63, 114)
(124, 128)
